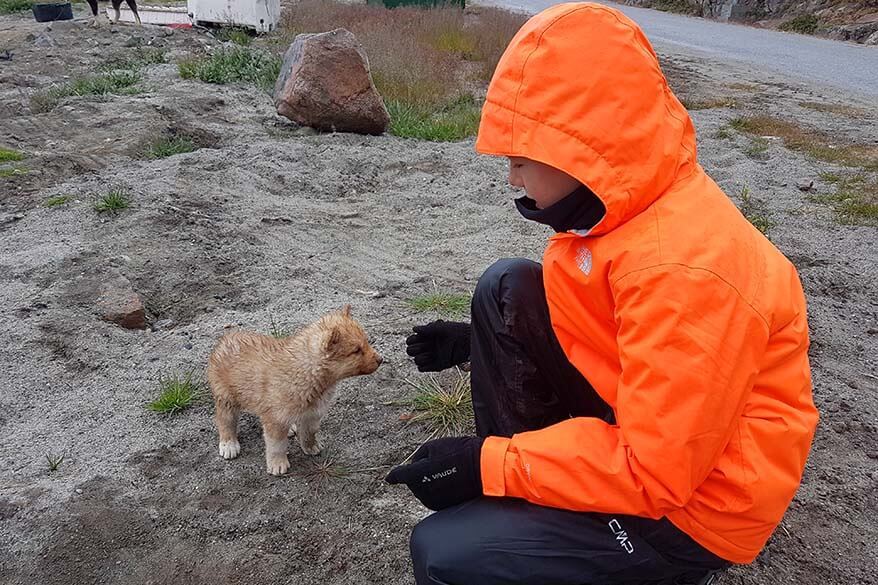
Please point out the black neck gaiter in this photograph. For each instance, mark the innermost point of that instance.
(581, 210)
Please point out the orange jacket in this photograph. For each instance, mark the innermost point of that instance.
(685, 319)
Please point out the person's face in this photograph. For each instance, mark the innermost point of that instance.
(543, 183)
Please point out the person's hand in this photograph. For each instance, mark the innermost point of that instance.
(443, 472)
(439, 345)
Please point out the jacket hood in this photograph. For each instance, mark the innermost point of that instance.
(580, 88)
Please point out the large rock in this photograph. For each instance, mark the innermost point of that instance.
(858, 33)
(325, 83)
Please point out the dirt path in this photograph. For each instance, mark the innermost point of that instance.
(265, 223)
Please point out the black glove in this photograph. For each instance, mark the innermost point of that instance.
(439, 345)
(443, 472)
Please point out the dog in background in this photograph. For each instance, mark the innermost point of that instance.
(287, 382)
(132, 4)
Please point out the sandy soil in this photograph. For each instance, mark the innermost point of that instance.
(267, 222)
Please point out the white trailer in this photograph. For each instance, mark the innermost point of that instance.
(260, 15)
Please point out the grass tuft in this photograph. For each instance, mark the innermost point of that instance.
(855, 200)
(840, 109)
(809, 142)
(234, 65)
(831, 177)
(709, 104)
(176, 393)
(805, 24)
(169, 146)
(327, 469)
(724, 133)
(135, 60)
(754, 211)
(446, 303)
(277, 330)
(749, 87)
(13, 6)
(757, 148)
(9, 155)
(454, 121)
(54, 460)
(108, 83)
(447, 411)
(120, 82)
(455, 40)
(236, 35)
(12, 171)
(677, 6)
(115, 200)
(57, 200)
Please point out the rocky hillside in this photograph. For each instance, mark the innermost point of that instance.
(849, 20)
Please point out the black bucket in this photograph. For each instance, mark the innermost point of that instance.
(53, 11)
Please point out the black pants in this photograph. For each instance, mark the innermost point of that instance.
(521, 381)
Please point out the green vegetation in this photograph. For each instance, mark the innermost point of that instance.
(176, 393)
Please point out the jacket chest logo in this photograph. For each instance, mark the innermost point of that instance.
(583, 260)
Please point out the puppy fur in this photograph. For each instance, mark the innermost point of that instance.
(287, 382)
(132, 4)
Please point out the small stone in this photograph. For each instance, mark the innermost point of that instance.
(133, 41)
(305, 131)
(805, 185)
(44, 40)
(119, 304)
(78, 491)
(187, 345)
(162, 324)
(11, 218)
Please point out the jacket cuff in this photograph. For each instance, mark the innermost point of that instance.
(493, 466)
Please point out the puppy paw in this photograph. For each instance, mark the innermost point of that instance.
(312, 448)
(229, 449)
(278, 466)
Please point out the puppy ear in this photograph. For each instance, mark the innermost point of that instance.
(346, 311)
(333, 339)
